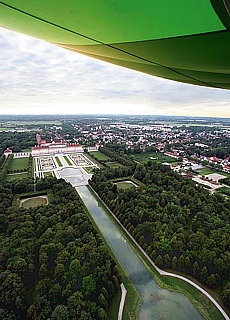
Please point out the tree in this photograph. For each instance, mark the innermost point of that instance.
(225, 295)
(61, 312)
(213, 280)
(159, 261)
(180, 262)
(103, 302)
(187, 263)
(88, 285)
(12, 291)
(174, 263)
(204, 274)
(167, 261)
(196, 269)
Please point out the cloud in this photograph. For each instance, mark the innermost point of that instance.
(37, 77)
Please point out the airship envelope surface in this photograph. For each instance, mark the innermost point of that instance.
(182, 40)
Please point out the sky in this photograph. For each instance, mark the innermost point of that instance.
(39, 78)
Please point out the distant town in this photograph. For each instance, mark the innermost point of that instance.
(198, 148)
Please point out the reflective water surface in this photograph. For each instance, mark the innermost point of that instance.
(156, 303)
(72, 175)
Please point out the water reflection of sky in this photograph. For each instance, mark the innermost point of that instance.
(156, 303)
(72, 175)
(70, 172)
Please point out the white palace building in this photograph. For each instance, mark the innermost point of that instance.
(58, 145)
(54, 148)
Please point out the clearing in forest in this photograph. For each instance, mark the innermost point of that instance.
(34, 201)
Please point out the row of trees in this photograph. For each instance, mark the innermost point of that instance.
(53, 263)
(6, 163)
(180, 225)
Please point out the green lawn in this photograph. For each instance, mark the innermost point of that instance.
(98, 155)
(58, 162)
(125, 185)
(67, 160)
(114, 165)
(19, 164)
(205, 171)
(89, 169)
(17, 176)
(144, 157)
(47, 174)
(26, 150)
(34, 202)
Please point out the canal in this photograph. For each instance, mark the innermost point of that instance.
(156, 303)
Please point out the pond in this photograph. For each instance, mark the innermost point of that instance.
(72, 175)
(156, 303)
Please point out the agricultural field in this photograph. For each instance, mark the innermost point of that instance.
(8, 124)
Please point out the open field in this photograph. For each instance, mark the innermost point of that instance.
(144, 157)
(98, 155)
(17, 176)
(205, 171)
(34, 202)
(125, 185)
(8, 124)
(19, 164)
(114, 165)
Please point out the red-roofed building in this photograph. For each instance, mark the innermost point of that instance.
(226, 169)
(7, 152)
(171, 154)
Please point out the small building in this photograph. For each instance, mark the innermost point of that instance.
(7, 152)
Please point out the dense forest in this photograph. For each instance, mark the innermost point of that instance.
(17, 141)
(179, 224)
(53, 263)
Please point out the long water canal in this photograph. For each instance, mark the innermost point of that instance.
(156, 303)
